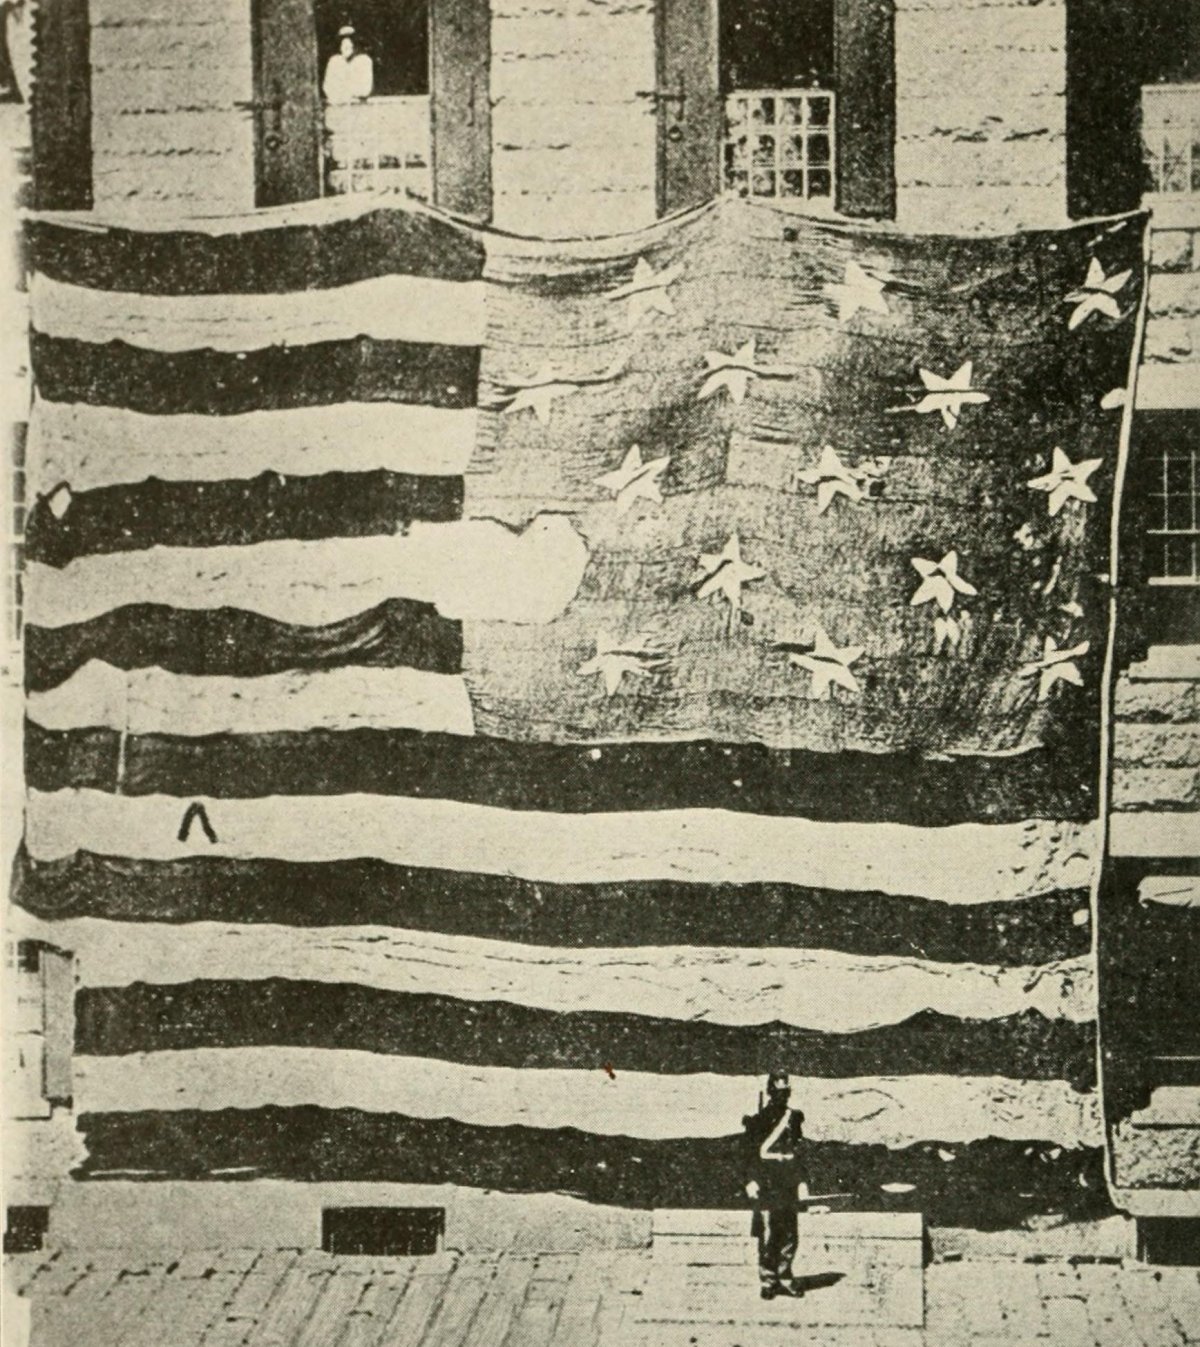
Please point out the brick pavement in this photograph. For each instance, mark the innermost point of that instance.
(288, 1298)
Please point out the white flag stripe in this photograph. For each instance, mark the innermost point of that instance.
(467, 569)
(91, 446)
(882, 1110)
(823, 990)
(388, 308)
(961, 863)
(155, 701)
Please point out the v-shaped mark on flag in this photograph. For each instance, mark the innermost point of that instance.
(196, 812)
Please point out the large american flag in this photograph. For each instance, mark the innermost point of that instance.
(489, 700)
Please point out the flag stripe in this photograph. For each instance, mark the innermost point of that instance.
(746, 778)
(152, 701)
(969, 862)
(808, 989)
(91, 447)
(869, 1110)
(220, 383)
(225, 641)
(1052, 926)
(257, 256)
(388, 308)
(267, 508)
(311, 1144)
(469, 568)
(283, 1012)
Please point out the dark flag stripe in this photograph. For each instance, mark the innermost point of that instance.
(953, 1185)
(222, 383)
(277, 260)
(747, 778)
(278, 1012)
(499, 907)
(265, 508)
(229, 641)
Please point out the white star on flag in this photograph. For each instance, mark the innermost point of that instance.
(826, 662)
(539, 393)
(725, 572)
(946, 396)
(1097, 294)
(636, 479)
(647, 291)
(859, 290)
(940, 582)
(947, 634)
(735, 371)
(1066, 480)
(832, 478)
(1055, 666)
(614, 659)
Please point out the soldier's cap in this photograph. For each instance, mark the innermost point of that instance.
(347, 30)
(779, 1075)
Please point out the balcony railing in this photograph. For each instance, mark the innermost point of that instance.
(779, 145)
(380, 145)
(1171, 136)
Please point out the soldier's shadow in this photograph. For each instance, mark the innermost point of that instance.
(818, 1281)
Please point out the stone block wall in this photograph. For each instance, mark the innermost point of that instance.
(980, 114)
(167, 129)
(573, 144)
(1171, 361)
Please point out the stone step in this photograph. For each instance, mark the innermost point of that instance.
(709, 1222)
(810, 1251)
(861, 1268)
(893, 1297)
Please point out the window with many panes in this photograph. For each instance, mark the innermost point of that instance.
(777, 77)
(1171, 138)
(779, 144)
(1173, 534)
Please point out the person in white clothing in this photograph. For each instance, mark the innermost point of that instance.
(350, 73)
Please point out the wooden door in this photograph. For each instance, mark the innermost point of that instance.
(287, 104)
(460, 106)
(689, 104)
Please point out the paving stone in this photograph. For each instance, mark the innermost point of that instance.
(505, 1297)
(1070, 1325)
(468, 1288)
(340, 1295)
(536, 1323)
(579, 1321)
(366, 1322)
(250, 1298)
(1147, 1304)
(179, 1311)
(290, 1307)
(417, 1306)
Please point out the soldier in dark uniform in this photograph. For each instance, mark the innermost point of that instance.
(776, 1172)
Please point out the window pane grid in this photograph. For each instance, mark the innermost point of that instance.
(779, 144)
(1171, 136)
(1175, 515)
